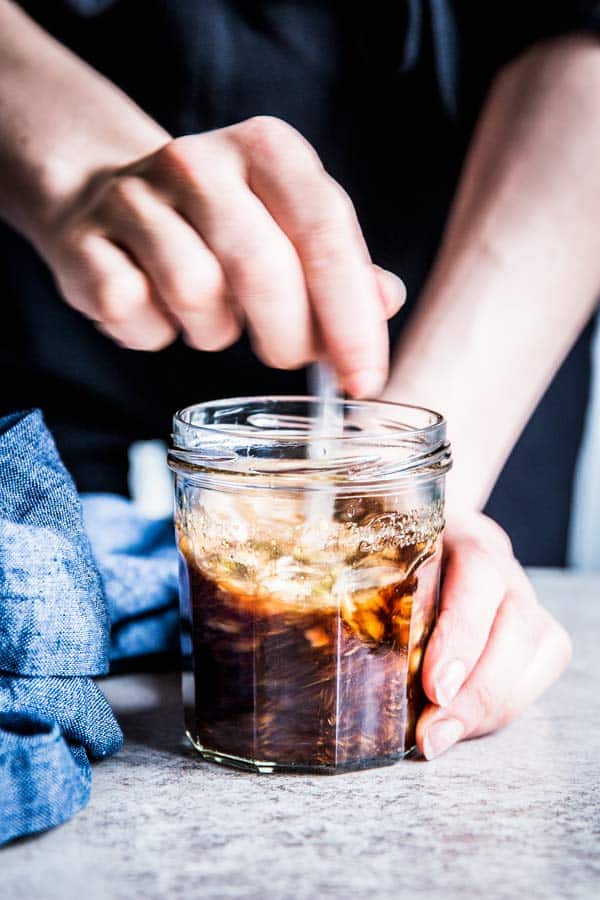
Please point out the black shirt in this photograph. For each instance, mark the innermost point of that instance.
(388, 94)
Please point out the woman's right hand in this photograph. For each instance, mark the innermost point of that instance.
(213, 232)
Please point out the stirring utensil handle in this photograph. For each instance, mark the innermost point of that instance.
(329, 419)
(327, 425)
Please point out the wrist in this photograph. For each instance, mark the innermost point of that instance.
(62, 125)
(474, 467)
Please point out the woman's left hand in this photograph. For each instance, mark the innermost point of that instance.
(494, 649)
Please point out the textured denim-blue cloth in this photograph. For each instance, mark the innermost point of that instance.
(79, 583)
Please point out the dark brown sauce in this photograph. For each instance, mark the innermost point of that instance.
(303, 686)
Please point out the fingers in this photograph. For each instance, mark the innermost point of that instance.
(472, 590)
(494, 649)
(185, 273)
(553, 651)
(260, 264)
(236, 226)
(526, 652)
(101, 281)
(319, 219)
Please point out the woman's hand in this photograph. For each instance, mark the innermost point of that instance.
(240, 226)
(150, 236)
(494, 649)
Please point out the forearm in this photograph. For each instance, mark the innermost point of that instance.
(518, 274)
(60, 123)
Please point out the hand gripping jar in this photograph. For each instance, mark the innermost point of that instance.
(309, 578)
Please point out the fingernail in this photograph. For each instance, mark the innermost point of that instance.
(399, 286)
(449, 681)
(440, 736)
(367, 383)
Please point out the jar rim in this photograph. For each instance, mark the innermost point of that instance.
(179, 418)
(233, 444)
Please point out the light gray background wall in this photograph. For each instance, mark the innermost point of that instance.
(584, 543)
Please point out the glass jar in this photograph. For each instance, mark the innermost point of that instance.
(309, 578)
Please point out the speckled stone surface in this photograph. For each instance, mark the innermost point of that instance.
(513, 815)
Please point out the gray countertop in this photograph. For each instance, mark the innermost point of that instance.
(512, 815)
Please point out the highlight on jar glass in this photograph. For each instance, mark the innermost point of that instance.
(309, 578)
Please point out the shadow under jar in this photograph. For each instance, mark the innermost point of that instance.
(309, 578)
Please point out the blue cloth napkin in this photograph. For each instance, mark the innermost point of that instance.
(79, 583)
(138, 565)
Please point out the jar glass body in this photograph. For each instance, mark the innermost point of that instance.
(309, 580)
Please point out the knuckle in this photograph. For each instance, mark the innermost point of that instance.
(127, 191)
(266, 133)
(185, 294)
(76, 248)
(176, 154)
(273, 140)
(326, 235)
(84, 239)
(483, 533)
(182, 298)
(478, 567)
(76, 268)
(110, 309)
(117, 304)
(323, 243)
(187, 160)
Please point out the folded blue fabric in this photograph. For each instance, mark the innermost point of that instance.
(138, 564)
(70, 596)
